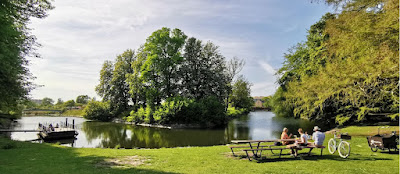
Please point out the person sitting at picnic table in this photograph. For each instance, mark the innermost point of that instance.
(318, 137)
(302, 141)
(284, 135)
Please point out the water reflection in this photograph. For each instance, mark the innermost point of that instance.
(130, 136)
(256, 125)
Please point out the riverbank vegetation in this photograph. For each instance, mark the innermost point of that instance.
(46, 106)
(171, 79)
(347, 71)
(23, 157)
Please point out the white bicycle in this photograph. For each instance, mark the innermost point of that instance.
(337, 143)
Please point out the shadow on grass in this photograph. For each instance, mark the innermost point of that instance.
(313, 157)
(44, 158)
(389, 152)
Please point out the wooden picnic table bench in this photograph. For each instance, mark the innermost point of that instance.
(255, 149)
(311, 147)
(234, 147)
(275, 148)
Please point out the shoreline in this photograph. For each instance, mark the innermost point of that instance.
(52, 115)
(166, 126)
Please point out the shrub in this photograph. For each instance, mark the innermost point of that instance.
(235, 112)
(96, 110)
(169, 109)
(208, 112)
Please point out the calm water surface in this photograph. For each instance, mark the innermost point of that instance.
(257, 125)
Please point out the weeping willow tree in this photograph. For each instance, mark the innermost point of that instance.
(352, 73)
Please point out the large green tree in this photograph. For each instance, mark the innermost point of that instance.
(119, 84)
(16, 43)
(203, 71)
(136, 85)
(114, 84)
(163, 55)
(356, 73)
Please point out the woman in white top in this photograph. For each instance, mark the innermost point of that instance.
(303, 138)
(300, 142)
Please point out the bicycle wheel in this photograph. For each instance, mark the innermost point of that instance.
(332, 146)
(374, 148)
(344, 149)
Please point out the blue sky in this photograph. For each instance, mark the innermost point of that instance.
(79, 35)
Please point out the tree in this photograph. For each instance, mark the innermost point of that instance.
(47, 102)
(202, 71)
(15, 44)
(347, 71)
(214, 79)
(83, 99)
(234, 66)
(136, 85)
(120, 96)
(114, 83)
(59, 101)
(104, 88)
(267, 102)
(240, 97)
(192, 69)
(69, 103)
(96, 110)
(159, 71)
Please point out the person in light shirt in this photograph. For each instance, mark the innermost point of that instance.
(318, 137)
(302, 141)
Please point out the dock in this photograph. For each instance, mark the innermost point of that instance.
(11, 130)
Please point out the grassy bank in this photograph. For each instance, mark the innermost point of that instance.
(21, 157)
(74, 113)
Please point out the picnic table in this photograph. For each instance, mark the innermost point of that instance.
(257, 148)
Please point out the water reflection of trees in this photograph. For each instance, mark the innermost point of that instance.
(238, 129)
(130, 136)
(293, 125)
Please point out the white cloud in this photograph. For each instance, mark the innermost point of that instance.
(268, 68)
(263, 88)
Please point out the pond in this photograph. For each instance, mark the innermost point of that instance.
(255, 125)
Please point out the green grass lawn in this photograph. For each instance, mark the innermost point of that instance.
(21, 157)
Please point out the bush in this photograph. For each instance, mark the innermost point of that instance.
(169, 109)
(208, 112)
(148, 115)
(235, 112)
(96, 110)
(142, 115)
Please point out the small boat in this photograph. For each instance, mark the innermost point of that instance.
(58, 133)
(55, 133)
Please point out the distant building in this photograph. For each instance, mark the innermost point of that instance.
(258, 102)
